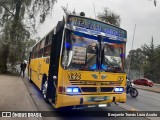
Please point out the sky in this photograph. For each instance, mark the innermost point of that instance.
(140, 13)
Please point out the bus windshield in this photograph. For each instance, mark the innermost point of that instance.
(79, 52)
(112, 57)
(82, 52)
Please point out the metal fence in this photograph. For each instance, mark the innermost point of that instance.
(134, 74)
(154, 77)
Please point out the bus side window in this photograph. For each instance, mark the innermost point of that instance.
(40, 53)
(37, 50)
(33, 53)
(47, 40)
(47, 50)
(50, 39)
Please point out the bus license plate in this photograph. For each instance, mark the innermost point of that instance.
(99, 98)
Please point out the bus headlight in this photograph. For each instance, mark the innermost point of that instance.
(69, 90)
(118, 89)
(73, 90)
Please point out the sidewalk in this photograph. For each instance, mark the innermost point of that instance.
(152, 89)
(15, 96)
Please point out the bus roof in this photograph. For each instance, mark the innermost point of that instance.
(83, 17)
(96, 27)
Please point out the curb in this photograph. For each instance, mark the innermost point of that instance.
(147, 89)
(33, 103)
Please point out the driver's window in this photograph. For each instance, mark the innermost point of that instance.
(111, 50)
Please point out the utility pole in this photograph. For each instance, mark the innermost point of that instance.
(131, 52)
(95, 12)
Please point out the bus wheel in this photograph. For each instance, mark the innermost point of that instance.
(44, 91)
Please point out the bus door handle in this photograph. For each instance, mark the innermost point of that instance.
(55, 78)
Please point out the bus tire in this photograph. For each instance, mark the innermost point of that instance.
(44, 89)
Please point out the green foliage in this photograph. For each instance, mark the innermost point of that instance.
(3, 56)
(110, 17)
(154, 2)
(146, 58)
(15, 37)
(10, 9)
(136, 58)
(150, 53)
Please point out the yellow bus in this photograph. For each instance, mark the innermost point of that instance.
(80, 63)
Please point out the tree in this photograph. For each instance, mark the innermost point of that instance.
(157, 59)
(14, 15)
(154, 2)
(136, 60)
(152, 65)
(109, 17)
(66, 11)
(3, 56)
(149, 52)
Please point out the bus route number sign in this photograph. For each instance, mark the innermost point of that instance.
(74, 76)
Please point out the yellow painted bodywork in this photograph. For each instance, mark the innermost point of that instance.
(65, 100)
(39, 67)
(118, 80)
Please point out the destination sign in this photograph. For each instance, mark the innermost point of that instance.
(96, 27)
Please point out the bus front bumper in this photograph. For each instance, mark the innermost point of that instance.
(76, 100)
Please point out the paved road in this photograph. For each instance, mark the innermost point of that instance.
(42, 106)
(20, 95)
(155, 88)
(146, 101)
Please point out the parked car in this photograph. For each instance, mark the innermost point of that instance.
(143, 81)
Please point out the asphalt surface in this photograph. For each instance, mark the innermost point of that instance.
(154, 88)
(42, 106)
(146, 101)
(20, 95)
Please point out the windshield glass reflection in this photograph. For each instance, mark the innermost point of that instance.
(82, 52)
(111, 58)
(79, 52)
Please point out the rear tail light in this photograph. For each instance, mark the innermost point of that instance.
(61, 89)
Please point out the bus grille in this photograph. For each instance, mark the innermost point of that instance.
(107, 89)
(89, 89)
(94, 89)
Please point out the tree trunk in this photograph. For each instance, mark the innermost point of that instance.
(14, 34)
(3, 60)
(15, 20)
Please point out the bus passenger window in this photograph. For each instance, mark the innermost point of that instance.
(40, 53)
(47, 50)
(50, 39)
(47, 40)
(35, 54)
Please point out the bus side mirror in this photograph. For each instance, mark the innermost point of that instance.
(54, 77)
